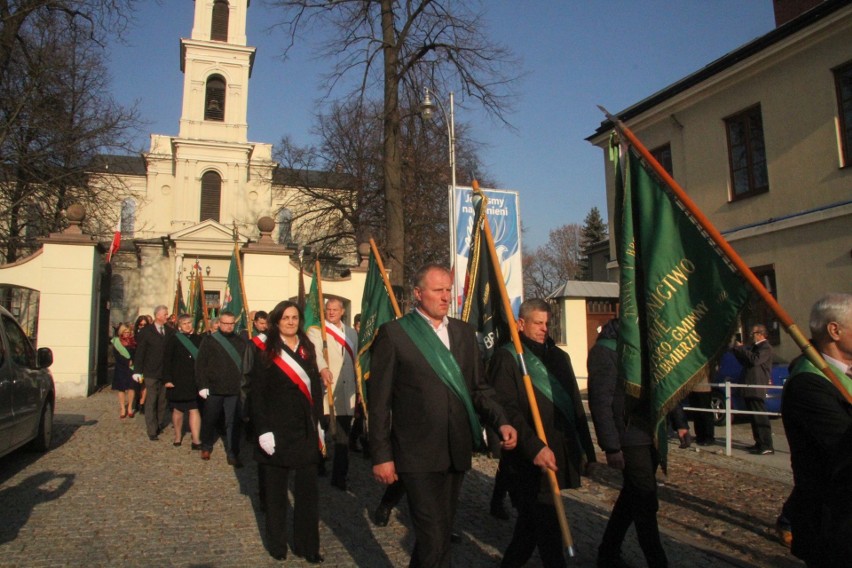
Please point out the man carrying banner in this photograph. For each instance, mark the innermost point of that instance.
(219, 376)
(569, 448)
(426, 388)
(818, 422)
(339, 372)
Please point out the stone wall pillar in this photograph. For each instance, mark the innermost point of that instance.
(68, 305)
(267, 271)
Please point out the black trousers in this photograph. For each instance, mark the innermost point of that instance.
(637, 504)
(537, 526)
(156, 407)
(214, 406)
(340, 465)
(704, 427)
(305, 508)
(761, 429)
(432, 499)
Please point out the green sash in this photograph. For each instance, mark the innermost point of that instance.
(190, 346)
(804, 365)
(546, 383)
(122, 350)
(229, 349)
(610, 344)
(443, 363)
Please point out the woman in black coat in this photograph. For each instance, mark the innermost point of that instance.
(286, 404)
(179, 375)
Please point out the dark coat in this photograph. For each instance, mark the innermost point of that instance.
(818, 423)
(214, 368)
(757, 360)
(150, 348)
(122, 373)
(278, 406)
(179, 369)
(571, 444)
(415, 420)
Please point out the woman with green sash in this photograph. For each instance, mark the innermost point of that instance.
(123, 347)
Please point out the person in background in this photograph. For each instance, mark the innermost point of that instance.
(286, 405)
(757, 360)
(148, 365)
(142, 391)
(179, 375)
(123, 347)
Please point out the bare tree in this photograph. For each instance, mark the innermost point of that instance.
(551, 265)
(55, 117)
(399, 47)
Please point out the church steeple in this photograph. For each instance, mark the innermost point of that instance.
(217, 64)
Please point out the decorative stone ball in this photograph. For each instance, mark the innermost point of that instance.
(364, 250)
(266, 224)
(75, 213)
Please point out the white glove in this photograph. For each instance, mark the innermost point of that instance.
(137, 377)
(204, 393)
(267, 442)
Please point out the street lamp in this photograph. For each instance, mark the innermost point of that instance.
(427, 108)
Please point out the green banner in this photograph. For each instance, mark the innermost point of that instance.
(233, 300)
(680, 295)
(312, 305)
(483, 305)
(376, 309)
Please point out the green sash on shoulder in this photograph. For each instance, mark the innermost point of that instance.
(229, 349)
(546, 383)
(122, 350)
(443, 363)
(611, 344)
(804, 365)
(190, 346)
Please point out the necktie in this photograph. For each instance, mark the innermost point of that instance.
(160, 329)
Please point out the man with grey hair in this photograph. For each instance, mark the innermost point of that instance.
(818, 421)
(148, 362)
(757, 360)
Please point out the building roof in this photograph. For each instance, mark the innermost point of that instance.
(584, 289)
(119, 165)
(726, 61)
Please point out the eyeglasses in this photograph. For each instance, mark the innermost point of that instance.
(227, 322)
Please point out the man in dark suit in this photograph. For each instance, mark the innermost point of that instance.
(757, 361)
(569, 446)
(148, 362)
(426, 389)
(818, 422)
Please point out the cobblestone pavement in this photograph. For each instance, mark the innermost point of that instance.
(107, 496)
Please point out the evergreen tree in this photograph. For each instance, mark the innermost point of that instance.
(594, 231)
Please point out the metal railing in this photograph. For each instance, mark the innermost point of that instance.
(729, 411)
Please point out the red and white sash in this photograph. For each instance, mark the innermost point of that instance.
(341, 339)
(295, 372)
(258, 342)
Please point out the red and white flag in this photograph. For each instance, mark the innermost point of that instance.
(116, 241)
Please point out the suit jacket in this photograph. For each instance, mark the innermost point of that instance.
(342, 369)
(150, 349)
(818, 423)
(415, 420)
(571, 444)
(757, 360)
(179, 368)
(214, 368)
(278, 406)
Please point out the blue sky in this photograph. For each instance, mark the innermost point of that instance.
(576, 54)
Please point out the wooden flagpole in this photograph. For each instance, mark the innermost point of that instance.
(249, 325)
(789, 325)
(385, 279)
(567, 539)
(332, 421)
(204, 315)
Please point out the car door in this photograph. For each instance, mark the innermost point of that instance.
(26, 387)
(7, 417)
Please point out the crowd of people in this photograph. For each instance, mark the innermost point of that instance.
(292, 394)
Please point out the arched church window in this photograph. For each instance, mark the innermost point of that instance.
(219, 25)
(211, 195)
(128, 217)
(285, 223)
(214, 100)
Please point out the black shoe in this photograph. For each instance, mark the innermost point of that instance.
(234, 461)
(686, 441)
(382, 515)
(706, 442)
(762, 451)
(455, 537)
(154, 438)
(141, 409)
(195, 446)
(499, 511)
(754, 447)
(314, 558)
(279, 557)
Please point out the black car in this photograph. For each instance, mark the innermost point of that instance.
(27, 392)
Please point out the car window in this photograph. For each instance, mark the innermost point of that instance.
(20, 349)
